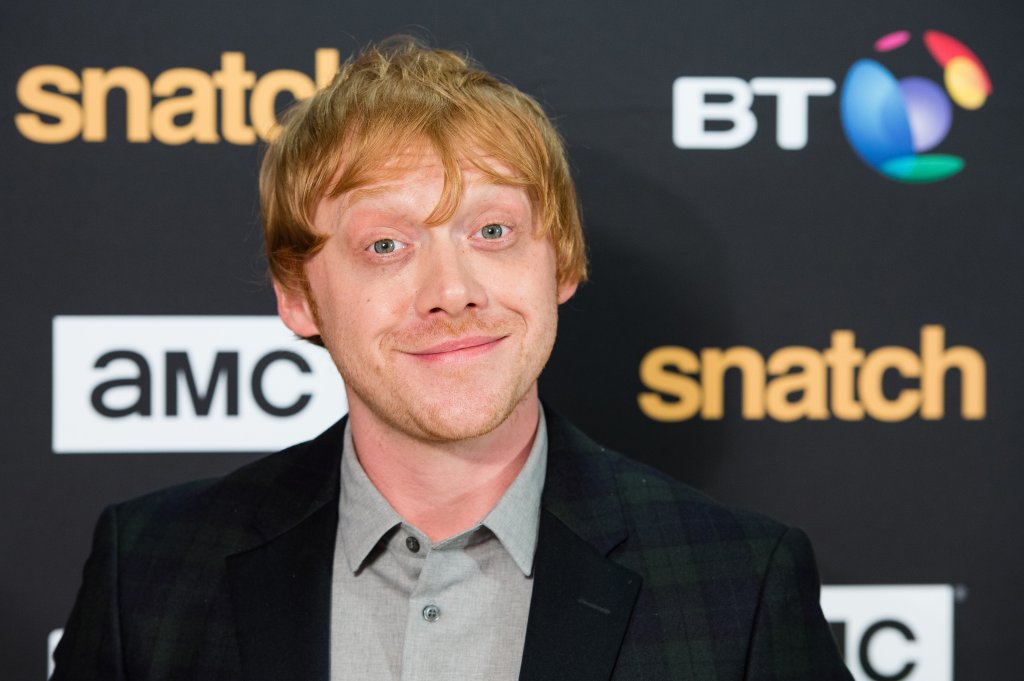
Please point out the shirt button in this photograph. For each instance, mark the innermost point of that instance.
(413, 544)
(431, 613)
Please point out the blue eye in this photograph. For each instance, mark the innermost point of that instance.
(384, 246)
(492, 232)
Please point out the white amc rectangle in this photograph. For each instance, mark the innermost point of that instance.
(261, 364)
(901, 632)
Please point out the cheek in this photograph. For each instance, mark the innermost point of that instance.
(367, 309)
(342, 294)
(531, 262)
(539, 272)
(532, 292)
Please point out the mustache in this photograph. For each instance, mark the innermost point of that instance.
(433, 332)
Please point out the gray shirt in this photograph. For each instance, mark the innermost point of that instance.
(404, 608)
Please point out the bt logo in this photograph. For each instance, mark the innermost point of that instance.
(890, 123)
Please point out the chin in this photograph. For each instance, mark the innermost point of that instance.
(452, 420)
(446, 407)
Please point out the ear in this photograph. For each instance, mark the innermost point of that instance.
(294, 309)
(566, 289)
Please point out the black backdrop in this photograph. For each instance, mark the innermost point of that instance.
(756, 246)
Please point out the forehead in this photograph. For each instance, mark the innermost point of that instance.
(411, 165)
(417, 172)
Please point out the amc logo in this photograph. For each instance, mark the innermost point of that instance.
(186, 384)
(893, 633)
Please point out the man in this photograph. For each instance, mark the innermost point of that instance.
(421, 223)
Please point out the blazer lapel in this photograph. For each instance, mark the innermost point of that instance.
(579, 611)
(281, 588)
(582, 600)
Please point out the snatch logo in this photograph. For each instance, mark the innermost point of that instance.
(180, 105)
(843, 381)
(187, 384)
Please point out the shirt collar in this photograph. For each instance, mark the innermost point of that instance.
(515, 519)
(364, 515)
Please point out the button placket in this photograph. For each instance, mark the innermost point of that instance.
(432, 583)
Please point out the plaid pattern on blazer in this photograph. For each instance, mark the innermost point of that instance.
(636, 577)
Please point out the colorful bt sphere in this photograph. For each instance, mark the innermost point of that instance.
(892, 122)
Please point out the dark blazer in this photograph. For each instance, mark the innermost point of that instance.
(636, 577)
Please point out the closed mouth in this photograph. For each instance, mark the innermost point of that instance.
(458, 347)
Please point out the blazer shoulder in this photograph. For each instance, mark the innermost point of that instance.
(591, 486)
(715, 573)
(645, 492)
(280, 485)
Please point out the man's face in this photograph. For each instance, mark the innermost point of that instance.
(439, 331)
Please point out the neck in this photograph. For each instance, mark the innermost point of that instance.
(443, 488)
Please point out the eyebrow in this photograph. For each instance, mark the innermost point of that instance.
(364, 192)
(383, 187)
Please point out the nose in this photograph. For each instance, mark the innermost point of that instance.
(448, 281)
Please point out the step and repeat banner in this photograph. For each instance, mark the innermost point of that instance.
(805, 221)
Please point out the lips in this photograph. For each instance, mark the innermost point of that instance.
(458, 348)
